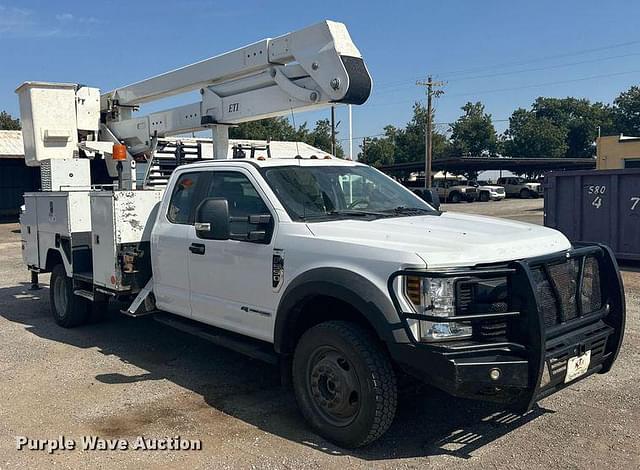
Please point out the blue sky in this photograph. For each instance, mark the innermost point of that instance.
(503, 53)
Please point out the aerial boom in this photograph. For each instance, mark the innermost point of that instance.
(297, 71)
(302, 70)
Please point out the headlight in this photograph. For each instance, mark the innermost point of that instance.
(436, 297)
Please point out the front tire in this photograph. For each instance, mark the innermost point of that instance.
(455, 198)
(484, 197)
(344, 383)
(525, 194)
(68, 310)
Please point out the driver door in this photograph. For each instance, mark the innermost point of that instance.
(231, 280)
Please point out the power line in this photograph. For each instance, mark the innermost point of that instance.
(557, 82)
(522, 87)
(548, 67)
(540, 59)
(386, 85)
(515, 72)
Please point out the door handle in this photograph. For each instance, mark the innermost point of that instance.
(197, 248)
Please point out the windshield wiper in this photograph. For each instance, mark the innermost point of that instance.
(346, 213)
(410, 210)
(358, 213)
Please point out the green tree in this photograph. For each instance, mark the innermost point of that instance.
(531, 136)
(473, 133)
(579, 118)
(405, 145)
(265, 129)
(380, 150)
(410, 142)
(627, 112)
(320, 137)
(281, 129)
(8, 123)
(557, 127)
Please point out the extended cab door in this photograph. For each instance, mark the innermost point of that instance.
(231, 280)
(170, 245)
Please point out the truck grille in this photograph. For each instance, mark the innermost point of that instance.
(557, 285)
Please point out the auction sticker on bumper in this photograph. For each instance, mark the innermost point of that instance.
(577, 366)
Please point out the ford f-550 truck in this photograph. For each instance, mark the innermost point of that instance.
(325, 266)
(349, 275)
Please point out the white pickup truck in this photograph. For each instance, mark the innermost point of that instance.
(343, 276)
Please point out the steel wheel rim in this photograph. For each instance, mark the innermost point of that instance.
(60, 298)
(333, 386)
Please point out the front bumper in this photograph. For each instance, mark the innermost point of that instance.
(531, 358)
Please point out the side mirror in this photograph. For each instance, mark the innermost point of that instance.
(212, 219)
(431, 196)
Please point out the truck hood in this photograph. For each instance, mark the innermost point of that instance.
(449, 240)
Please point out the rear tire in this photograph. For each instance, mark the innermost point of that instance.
(455, 198)
(68, 310)
(344, 383)
(525, 194)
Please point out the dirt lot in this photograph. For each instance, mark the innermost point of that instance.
(126, 378)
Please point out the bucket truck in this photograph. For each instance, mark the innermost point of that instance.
(324, 266)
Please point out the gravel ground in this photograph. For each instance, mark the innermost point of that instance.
(129, 377)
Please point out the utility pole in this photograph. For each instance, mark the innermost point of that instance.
(333, 131)
(351, 133)
(364, 149)
(428, 134)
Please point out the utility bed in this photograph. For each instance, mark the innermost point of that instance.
(101, 236)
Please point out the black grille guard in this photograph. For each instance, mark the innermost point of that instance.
(529, 337)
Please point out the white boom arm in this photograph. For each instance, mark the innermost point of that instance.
(301, 70)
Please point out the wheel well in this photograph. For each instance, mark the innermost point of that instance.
(314, 310)
(53, 258)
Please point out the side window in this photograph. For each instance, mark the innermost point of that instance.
(236, 188)
(243, 201)
(182, 200)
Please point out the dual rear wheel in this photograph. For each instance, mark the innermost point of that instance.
(69, 310)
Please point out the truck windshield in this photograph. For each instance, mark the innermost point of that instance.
(327, 192)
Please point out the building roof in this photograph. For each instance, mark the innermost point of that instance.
(11, 145)
(514, 164)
